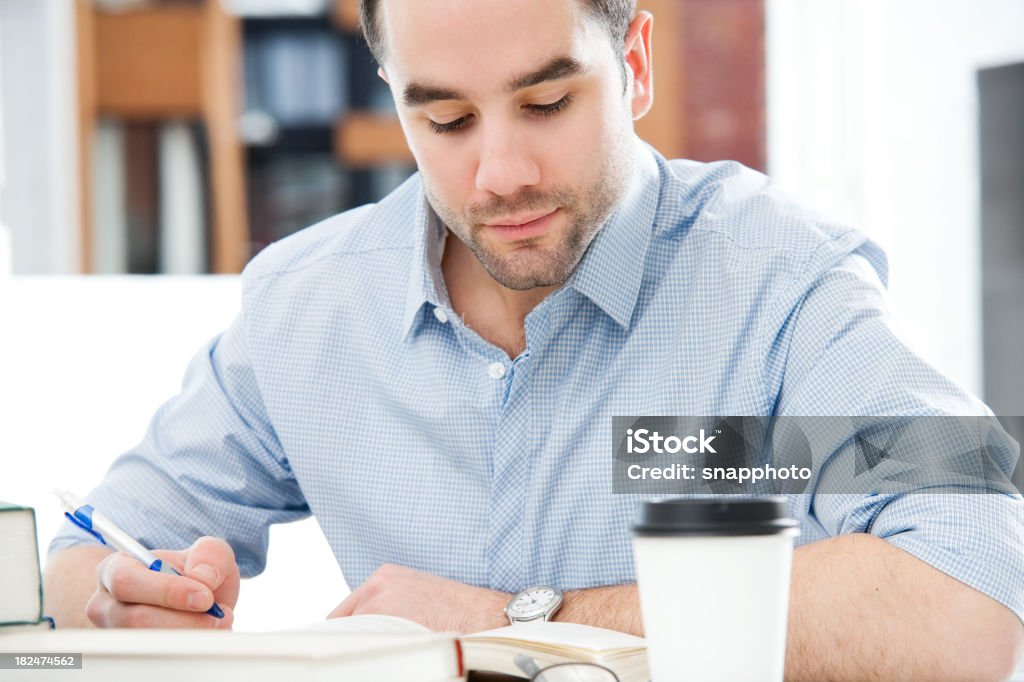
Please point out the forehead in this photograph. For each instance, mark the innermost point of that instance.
(479, 44)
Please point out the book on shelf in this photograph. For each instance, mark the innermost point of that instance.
(182, 225)
(109, 191)
(21, 584)
(546, 643)
(295, 73)
(148, 208)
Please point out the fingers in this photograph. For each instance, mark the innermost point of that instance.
(127, 580)
(211, 561)
(388, 578)
(346, 607)
(128, 594)
(105, 611)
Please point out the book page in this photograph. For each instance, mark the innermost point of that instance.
(217, 643)
(367, 624)
(569, 635)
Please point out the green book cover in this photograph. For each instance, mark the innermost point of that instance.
(21, 584)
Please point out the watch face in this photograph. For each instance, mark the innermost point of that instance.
(531, 603)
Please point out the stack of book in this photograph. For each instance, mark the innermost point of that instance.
(21, 585)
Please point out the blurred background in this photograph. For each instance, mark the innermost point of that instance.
(178, 138)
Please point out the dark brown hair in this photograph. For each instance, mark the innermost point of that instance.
(614, 14)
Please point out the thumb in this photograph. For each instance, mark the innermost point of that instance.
(211, 561)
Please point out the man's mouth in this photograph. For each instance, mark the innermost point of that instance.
(522, 225)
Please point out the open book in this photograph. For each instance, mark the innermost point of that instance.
(546, 643)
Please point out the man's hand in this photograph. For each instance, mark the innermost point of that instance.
(128, 594)
(440, 604)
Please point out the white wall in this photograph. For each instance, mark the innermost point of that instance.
(88, 362)
(38, 98)
(872, 115)
(5, 236)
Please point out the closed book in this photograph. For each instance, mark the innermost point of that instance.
(44, 625)
(216, 656)
(21, 585)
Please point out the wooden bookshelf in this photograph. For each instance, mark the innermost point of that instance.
(166, 62)
(185, 60)
(85, 57)
(345, 14)
(365, 140)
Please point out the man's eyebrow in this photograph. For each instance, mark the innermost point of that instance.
(559, 67)
(418, 94)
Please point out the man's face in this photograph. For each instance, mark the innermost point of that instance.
(516, 113)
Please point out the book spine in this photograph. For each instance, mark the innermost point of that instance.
(182, 234)
(110, 236)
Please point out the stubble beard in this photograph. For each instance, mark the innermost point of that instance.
(531, 265)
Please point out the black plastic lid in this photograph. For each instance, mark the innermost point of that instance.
(719, 516)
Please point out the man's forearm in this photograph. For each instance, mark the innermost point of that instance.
(68, 583)
(861, 609)
(616, 607)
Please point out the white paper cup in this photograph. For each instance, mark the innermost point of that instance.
(714, 576)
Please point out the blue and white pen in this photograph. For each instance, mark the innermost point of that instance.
(103, 529)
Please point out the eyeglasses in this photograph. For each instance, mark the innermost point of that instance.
(564, 672)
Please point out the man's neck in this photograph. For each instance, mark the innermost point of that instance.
(495, 312)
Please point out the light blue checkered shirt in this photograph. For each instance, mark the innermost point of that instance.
(348, 388)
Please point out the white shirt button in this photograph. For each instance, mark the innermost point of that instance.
(496, 370)
(441, 315)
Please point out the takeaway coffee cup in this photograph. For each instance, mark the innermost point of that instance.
(713, 576)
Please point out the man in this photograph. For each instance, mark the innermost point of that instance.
(434, 376)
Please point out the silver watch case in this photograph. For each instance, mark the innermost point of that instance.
(534, 603)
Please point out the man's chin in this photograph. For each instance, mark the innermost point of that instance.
(521, 272)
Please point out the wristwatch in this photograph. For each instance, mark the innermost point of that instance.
(534, 603)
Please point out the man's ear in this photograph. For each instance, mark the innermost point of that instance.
(637, 53)
(383, 74)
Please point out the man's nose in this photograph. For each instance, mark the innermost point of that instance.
(506, 163)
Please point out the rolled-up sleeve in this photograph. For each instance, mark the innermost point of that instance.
(977, 538)
(209, 464)
(843, 357)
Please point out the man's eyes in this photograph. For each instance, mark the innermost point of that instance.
(549, 109)
(544, 110)
(450, 127)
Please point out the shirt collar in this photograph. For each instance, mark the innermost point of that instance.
(612, 270)
(426, 285)
(609, 274)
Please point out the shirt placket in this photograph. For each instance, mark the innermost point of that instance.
(516, 444)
